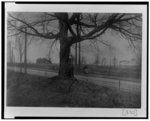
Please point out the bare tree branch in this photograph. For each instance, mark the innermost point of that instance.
(35, 32)
(90, 26)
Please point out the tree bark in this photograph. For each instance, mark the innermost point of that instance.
(20, 64)
(10, 52)
(25, 53)
(76, 54)
(79, 54)
(66, 64)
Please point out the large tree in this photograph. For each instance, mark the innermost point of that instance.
(71, 28)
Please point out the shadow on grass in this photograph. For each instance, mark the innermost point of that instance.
(36, 91)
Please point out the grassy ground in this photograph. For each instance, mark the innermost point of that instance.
(30, 90)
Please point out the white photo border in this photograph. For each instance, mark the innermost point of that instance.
(11, 112)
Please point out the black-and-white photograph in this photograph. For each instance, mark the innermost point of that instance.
(74, 60)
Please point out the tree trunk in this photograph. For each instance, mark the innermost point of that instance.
(79, 54)
(20, 64)
(66, 64)
(10, 52)
(25, 54)
(75, 54)
(12, 55)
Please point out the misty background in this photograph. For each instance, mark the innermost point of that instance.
(108, 47)
(117, 47)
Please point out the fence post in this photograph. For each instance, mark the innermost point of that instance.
(45, 73)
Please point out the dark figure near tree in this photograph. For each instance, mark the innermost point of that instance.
(70, 67)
